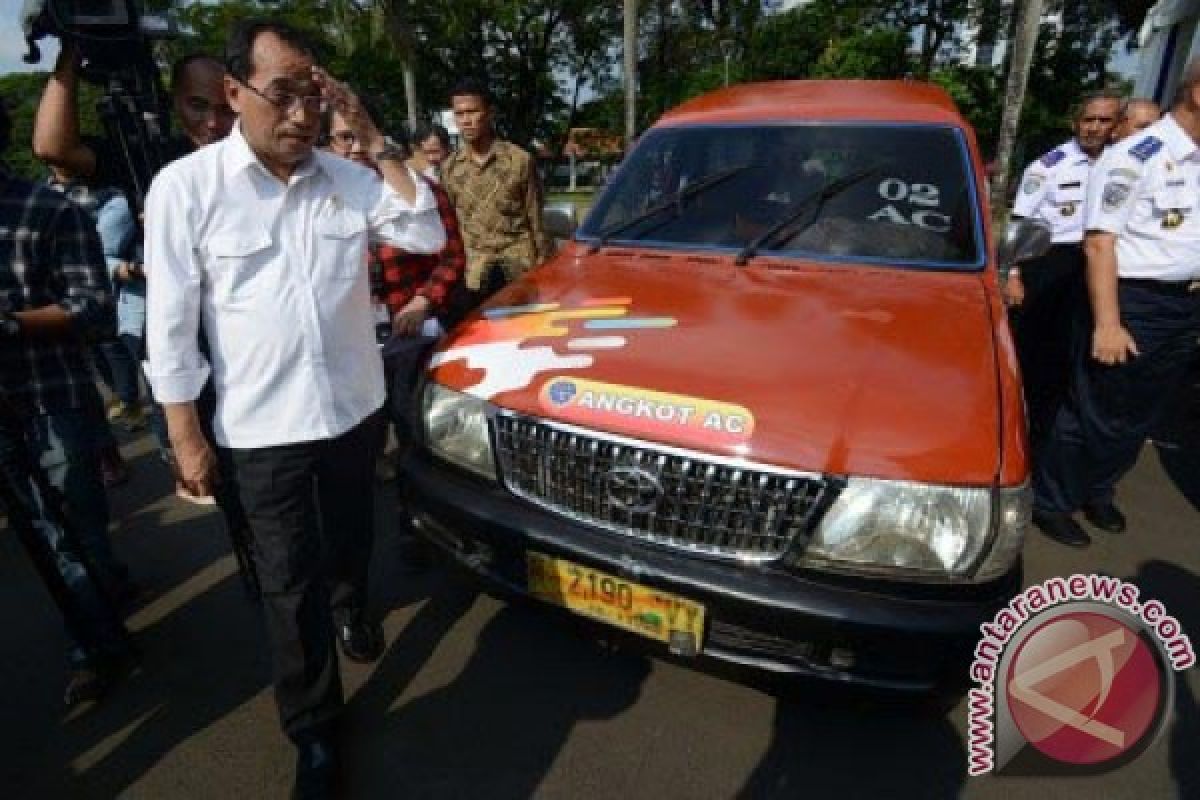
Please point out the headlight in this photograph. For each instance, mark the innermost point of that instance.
(918, 530)
(456, 429)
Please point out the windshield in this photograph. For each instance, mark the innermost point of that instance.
(913, 205)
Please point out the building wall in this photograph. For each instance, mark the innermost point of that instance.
(1169, 38)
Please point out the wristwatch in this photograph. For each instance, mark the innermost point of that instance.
(10, 326)
(391, 152)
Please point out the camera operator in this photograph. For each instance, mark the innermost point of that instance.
(198, 99)
(54, 291)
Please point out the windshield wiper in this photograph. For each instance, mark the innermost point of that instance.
(816, 201)
(674, 200)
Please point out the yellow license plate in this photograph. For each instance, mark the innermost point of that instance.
(591, 593)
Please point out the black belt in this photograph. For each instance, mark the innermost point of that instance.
(1175, 288)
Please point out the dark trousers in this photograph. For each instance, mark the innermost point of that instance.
(1044, 331)
(311, 512)
(119, 370)
(1110, 410)
(403, 358)
(34, 508)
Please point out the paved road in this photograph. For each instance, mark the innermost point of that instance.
(476, 698)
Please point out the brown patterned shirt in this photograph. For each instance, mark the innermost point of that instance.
(499, 204)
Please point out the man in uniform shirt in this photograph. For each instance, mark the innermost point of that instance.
(1143, 257)
(1049, 290)
(261, 239)
(495, 190)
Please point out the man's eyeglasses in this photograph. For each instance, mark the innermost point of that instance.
(288, 102)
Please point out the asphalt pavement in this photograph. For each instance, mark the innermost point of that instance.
(477, 698)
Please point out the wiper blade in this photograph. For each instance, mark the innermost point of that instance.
(814, 201)
(674, 200)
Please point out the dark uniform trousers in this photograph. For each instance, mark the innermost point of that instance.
(1110, 410)
(311, 511)
(1043, 329)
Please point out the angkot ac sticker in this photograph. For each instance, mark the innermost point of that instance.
(646, 413)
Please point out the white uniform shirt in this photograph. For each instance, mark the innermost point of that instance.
(277, 275)
(1145, 191)
(1054, 189)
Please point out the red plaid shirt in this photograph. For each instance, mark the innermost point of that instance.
(398, 276)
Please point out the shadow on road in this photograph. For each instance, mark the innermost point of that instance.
(1178, 589)
(1177, 441)
(495, 729)
(835, 747)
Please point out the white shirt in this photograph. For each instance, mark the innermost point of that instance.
(1145, 191)
(1053, 190)
(277, 275)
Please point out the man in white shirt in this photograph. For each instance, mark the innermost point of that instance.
(1143, 261)
(261, 239)
(1048, 292)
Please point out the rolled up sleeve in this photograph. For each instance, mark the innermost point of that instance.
(177, 370)
(415, 227)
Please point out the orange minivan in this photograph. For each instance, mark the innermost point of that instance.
(763, 405)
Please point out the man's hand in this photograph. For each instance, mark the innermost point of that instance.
(346, 103)
(1014, 290)
(127, 271)
(195, 462)
(1112, 344)
(196, 465)
(408, 320)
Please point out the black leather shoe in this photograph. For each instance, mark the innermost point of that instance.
(361, 641)
(1062, 528)
(317, 770)
(1105, 516)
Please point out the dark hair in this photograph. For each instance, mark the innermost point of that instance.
(5, 127)
(428, 129)
(239, 59)
(1091, 97)
(180, 67)
(472, 87)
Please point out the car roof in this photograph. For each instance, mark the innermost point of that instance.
(845, 100)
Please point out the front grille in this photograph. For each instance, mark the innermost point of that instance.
(690, 501)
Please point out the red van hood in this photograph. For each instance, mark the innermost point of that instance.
(842, 369)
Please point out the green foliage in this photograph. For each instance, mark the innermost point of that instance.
(875, 53)
(541, 56)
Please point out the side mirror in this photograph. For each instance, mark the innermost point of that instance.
(1024, 239)
(560, 220)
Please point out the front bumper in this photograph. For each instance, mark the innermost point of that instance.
(871, 633)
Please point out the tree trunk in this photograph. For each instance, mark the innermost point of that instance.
(403, 39)
(631, 57)
(1029, 17)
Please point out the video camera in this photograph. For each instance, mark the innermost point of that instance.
(114, 38)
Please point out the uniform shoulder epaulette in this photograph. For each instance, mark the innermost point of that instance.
(1053, 157)
(1146, 148)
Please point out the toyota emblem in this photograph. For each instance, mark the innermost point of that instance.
(632, 489)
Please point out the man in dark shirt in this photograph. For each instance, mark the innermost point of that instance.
(54, 291)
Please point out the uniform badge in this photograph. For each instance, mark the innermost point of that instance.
(1053, 157)
(1172, 219)
(1068, 209)
(1147, 147)
(1115, 195)
(1032, 184)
